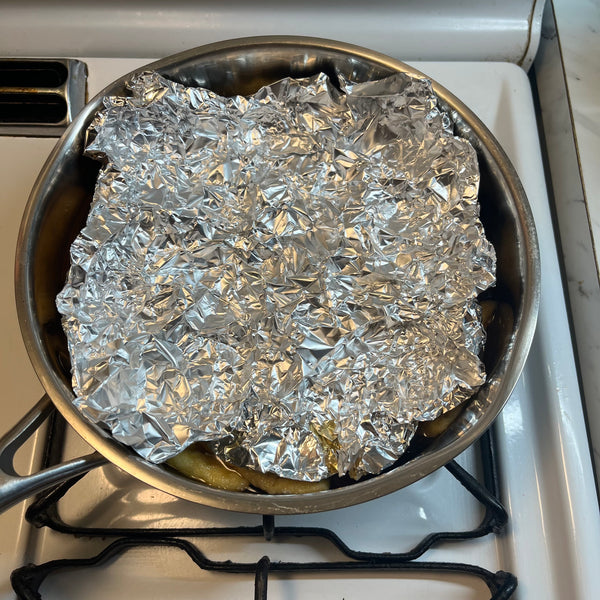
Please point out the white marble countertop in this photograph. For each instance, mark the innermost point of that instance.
(578, 25)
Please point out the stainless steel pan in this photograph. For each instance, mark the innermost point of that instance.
(59, 204)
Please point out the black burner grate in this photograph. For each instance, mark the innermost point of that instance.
(44, 512)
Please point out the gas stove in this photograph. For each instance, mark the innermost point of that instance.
(518, 508)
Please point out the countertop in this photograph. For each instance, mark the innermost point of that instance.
(578, 27)
(578, 23)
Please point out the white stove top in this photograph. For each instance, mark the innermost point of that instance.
(552, 542)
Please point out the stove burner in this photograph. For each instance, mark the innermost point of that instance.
(27, 580)
(44, 512)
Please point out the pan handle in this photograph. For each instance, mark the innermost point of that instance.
(15, 487)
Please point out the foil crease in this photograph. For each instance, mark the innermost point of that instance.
(291, 277)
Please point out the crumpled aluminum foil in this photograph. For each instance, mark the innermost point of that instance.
(291, 276)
